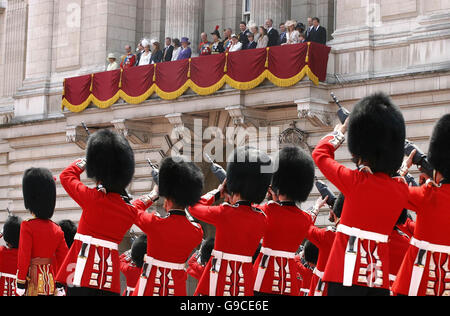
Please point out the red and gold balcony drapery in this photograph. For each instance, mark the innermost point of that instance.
(284, 66)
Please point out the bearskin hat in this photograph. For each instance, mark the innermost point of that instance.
(439, 153)
(295, 175)
(180, 181)
(339, 205)
(11, 231)
(206, 250)
(138, 250)
(110, 160)
(248, 174)
(377, 134)
(311, 252)
(70, 230)
(39, 192)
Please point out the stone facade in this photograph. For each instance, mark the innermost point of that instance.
(400, 47)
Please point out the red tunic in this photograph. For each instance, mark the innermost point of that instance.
(8, 271)
(408, 228)
(40, 240)
(195, 269)
(304, 275)
(287, 227)
(106, 217)
(131, 273)
(433, 220)
(172, 240)
(322, 239)
(398, 246)
(373, 204)
(239, 230)
(128, 61)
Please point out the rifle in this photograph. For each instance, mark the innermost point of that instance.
(217, 170)
(419, 159)
(325, 192)
(343, 113)
(86, 129)
(410, 180)
(9, 212)
(155, 171)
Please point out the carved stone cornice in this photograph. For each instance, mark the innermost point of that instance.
(315, 111)
(136, 132)
(77, 135)
(246, 117)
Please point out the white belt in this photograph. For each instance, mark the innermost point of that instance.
(352, 250)
(164, 264)
(278, 254)
(318, 273)
(420, 261)
(217, 257)
(320, 284)
(430, 247)
(149, 262)
(130, 290)
(8, 276)
(362, 234)
(87, 241)
(97, 242)
(267, 253)
(392, 277)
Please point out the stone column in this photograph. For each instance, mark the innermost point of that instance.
(185, 19)
(15, 36)
(278, 10)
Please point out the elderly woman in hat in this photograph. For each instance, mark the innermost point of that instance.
(186, 51)
(113, 64)
(292, 35)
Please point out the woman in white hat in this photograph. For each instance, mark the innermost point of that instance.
(113, 64)
(235, 44)
(292, 36)
(254, 30)
(146, 56)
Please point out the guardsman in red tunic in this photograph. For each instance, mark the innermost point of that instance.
(398, 247)
(306, 262)
(426, 269)
(8, 256)
(199, 259)
(173, 237)
(359, 259)
(42, 247)
(287, 224)
(239, 226)
(131, 263)
(324, 239)
(408, 227)
(92, 267)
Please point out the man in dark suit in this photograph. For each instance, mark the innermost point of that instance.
(274, 36)
(243, 36)
(168, 50)
(318, 34)
(309, 28)
(139, 52)
(283, 37)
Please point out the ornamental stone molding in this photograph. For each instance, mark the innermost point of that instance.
(136, 132)
(316, 112)
(245, 117)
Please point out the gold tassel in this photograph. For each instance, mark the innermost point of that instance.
(267, 58)
(307, 54)
(189, 70)
(154, 73)
(120, 81)
(225, 69)
(92, 83)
